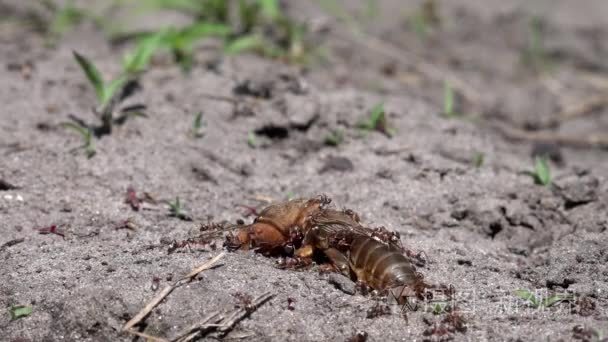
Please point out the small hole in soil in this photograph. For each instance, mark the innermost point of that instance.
(273, 132)
(495, 228)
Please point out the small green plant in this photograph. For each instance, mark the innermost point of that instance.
(448, 101)
(376, 121)
(478, 159)
(197, 125)
(20, 311)
(371, 10)
(181, 42)
(64, 18)
(542, 173)
(176, 210)
(138, 61)
(425, 19)
(290, 195)
(252, 141)
(87, 137)
(339, 12)
(109, 96)
(257, 25)
(439, 307)
(534, 54)
(334, 138)
(536, 302)
(106, 92)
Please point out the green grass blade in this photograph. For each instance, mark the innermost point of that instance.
(527, 296)
(270, 8)
(64, 19)
(550, 301)
(189, 6)
(111, 89)
(448, 100)
(542, 171)
(202, 30)
(139, 60)
(251, 140)
(242, 44)
(377, 114)
(19, 311)
(83, 131)
(197, 125)
(93, 75)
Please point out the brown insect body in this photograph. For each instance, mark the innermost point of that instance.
(359, 251)
(371, 256)
(379, 265)
(279, 226)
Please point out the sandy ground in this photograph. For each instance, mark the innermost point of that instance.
(486, 230)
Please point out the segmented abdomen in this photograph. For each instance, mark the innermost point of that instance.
(380, 266)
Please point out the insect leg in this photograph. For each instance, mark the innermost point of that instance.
(339, 260)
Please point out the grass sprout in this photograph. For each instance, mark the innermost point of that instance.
(252, 140)
(376, 121)
(542, 172)
(534, 54)
(181, 42)
(176, 210)
(87, 137)
(448, 101)
(478, 159)
(334, 138)
(136, 62)
(20, 311)
(197, 125)
(64, 18)
(425, 19)
(537, 302)
(246, 26)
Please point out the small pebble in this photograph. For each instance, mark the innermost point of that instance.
(342, 283)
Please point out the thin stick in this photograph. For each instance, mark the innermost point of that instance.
(204, 266)
(165, 292)
(192, 332)
(146, 336)
(222, 324)
(221, 98)
(237, 315)
(262, 198)
(589, 141)
(584, 107)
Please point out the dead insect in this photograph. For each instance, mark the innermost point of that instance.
(356, 252)
(277, 227)
(305, 228)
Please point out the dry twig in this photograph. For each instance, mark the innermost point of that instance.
(587, 106)
(165, 292)
(588, 141)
